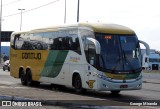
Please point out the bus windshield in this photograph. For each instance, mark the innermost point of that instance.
(119, 53)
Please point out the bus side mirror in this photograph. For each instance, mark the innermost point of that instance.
(147, 47)
(96, 43)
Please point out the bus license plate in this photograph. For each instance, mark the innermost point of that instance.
(123, 86)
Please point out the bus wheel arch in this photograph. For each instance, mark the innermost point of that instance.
(21, 70)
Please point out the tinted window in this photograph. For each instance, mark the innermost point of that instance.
(65, 40)
(18, 41)
(59, 40)
(119, 52)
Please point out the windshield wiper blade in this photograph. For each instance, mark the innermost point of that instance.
(126, 61)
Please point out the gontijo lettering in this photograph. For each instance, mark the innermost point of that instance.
(31, 56)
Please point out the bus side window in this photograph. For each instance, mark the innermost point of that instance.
(53, 46)
(146, 59)
(65, 41)
(68, 43)
(75, 46)
(60, 44)
(19, 42)
(27, 46)
(92, 54)
(16, 38)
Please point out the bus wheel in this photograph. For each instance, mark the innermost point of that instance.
(29, 78)
(115, 92)
(36, 83)
(3, 69)
(78, 84)
(8, 68)
(23, 79)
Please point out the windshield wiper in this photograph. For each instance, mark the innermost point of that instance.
(126, 61)
(103, 66)
(119, 60)
(102, 60)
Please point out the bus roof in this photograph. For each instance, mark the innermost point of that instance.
(109, 28)
(96, 27)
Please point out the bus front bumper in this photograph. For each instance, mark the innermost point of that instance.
(106, 85)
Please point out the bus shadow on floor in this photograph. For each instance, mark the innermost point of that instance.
(103, 95)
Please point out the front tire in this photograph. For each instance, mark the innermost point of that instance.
(78, 84)
(115, 92)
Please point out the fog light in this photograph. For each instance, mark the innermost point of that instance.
(105, 85)
(139, 85)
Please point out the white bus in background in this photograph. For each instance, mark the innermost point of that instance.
(151, 61)
(145, 60)
(154, 61)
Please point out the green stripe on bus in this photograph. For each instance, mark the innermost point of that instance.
(54, 63)
(122, 76)
(132, 76)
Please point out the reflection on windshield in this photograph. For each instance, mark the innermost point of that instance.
(119, 52)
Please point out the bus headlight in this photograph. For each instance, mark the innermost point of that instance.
(98, 75)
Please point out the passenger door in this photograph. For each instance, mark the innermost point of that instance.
(91, 58)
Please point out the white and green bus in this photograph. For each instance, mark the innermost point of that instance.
(97, 56)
